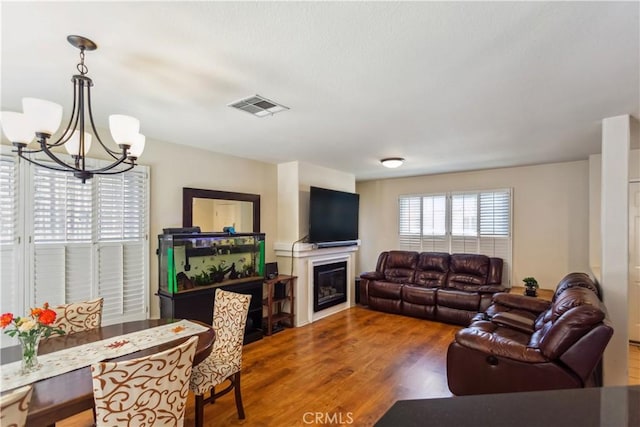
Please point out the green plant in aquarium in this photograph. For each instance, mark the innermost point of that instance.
(217, 273)
(247, 270)
(202, 279)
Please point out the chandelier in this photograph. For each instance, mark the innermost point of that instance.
(41, 119)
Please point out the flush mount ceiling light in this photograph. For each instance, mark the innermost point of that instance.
(41, 119)
(258, 105)
(392, 162)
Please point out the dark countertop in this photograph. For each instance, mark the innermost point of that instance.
(597, 407)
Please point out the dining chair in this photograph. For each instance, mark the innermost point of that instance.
(79, 316)
(225, 361)
(150, 390)
(14, 407)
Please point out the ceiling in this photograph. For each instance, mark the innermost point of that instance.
(449, 86)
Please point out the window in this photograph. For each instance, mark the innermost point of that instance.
(469, 222)
(82, 240)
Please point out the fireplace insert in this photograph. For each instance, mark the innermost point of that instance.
(329, 285)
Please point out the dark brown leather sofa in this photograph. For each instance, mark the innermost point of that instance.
(450, 288)
(522, 343)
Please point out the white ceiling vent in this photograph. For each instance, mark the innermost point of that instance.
(258, 106)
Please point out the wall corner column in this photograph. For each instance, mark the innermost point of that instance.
(615, 243)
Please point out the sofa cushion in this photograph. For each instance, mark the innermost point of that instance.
(400, 266)
(566, 330)
(491, 338)
(432, 269)
(418, 302)
(467, 271)
(522, 321)
(387, 290)
(458, 299)
(454, 316)
(570, 316)
(386, 305)
(418, 295)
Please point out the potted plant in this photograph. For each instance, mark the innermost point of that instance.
(530, 286)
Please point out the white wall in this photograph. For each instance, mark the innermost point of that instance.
(176, 166)
(595, 177)
(550, 215)
(614, 233)
(294, 180)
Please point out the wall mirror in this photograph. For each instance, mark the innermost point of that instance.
(213, 210)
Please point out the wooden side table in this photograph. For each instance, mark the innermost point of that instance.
(276, 303)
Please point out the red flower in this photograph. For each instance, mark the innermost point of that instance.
(35, 312)
(6, 319)
(47, 316)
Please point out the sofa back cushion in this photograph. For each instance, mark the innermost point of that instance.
(495, 271)
(432, 269)
(467, 271)
(573, 280)
(400, 266)
(382, 261)
(572, 315)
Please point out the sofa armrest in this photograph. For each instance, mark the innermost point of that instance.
(491, 289)
(485, 337)
(514, 321)
(534, 305)
(372, 275)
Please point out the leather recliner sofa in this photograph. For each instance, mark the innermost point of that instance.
(450, 288)
(522, 343)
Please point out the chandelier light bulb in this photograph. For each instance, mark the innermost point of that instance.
(124, 129)
(45, 116)
(73, 144)
(17, 127)
(138, 146)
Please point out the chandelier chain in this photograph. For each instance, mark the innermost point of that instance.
(81, 67)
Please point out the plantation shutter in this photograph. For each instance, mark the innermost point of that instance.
(495, 227)
(62, 236)
(11, 291)
(464, 223)
(122, 244)
(434, 229)
(84, 239)
(410, 223)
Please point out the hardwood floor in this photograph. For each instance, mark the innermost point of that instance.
(351, 366)
(355, 364)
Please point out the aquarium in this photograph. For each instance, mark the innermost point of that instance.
(189, 261)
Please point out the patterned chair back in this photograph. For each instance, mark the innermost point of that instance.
(229, 320)
(14, 407)
(79, 316)
(149, 391)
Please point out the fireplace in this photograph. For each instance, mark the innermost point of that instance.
(329, 285)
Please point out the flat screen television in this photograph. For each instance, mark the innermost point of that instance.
(333, 217)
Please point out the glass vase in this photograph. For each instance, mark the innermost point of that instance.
(29, 345)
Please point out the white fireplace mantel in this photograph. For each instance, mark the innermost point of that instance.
(300, 261)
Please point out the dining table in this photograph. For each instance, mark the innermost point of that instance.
(70, 393)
